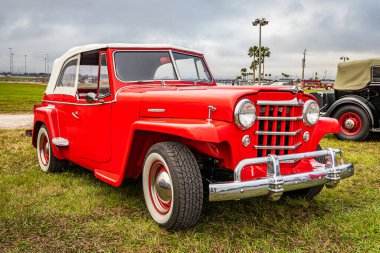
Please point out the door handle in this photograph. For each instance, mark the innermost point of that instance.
(75, 114)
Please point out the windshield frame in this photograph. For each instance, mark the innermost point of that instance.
(192, 55)
(176, 72)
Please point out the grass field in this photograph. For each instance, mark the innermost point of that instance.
(73, 211)
(19, 97)
(17, 79)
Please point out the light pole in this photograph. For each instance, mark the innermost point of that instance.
(25, 63)
(344, 58)
(303, 64)
(10, 60)
(13, 66)
(260, 22)
(47, 63)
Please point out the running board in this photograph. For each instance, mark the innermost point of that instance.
(60, 142)
(375, 130)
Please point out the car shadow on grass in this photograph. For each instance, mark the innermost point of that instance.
(254, 213)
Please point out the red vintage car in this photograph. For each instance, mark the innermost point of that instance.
(154, 112)
(312, 84)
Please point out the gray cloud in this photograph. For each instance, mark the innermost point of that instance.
(221, 29)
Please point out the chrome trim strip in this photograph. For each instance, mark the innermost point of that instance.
(103, 176)
(293, 102)
(78, 104)
(176, 71)
(279, 133)
(275, 184)
(279, 118)
(94, 104)
(156, 110)
(278, 147)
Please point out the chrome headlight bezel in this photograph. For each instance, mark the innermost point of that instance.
(310, 107)
(238, 113)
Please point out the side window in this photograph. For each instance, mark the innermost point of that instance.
(202, 70)
(376, 74)
(104, 85)
(68, 74)
(88, 77)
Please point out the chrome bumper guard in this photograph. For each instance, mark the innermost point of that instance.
(275, 184)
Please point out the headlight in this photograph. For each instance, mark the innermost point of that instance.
(245, 114)
(310, 113)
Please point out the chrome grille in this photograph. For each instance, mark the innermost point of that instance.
(279, 127)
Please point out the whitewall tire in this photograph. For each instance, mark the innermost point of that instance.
(48, 162)
(172, 185)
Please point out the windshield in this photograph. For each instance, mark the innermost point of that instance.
(141, 66)
(157, 65)
(191, 68)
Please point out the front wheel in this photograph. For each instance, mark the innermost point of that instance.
(172, 185)
(308, 193)
(354, 123)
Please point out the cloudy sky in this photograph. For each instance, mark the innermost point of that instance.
(220, 28)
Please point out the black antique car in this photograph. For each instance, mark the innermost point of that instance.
(355, 101)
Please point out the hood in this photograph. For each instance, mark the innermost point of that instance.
(193, 102)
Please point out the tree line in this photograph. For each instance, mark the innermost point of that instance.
(253, 52)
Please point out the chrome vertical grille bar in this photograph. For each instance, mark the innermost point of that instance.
(279, 127)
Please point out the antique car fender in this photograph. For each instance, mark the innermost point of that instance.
(198, 130)
(48, 116)
(353, 100)
(195, 131)
(325, 126)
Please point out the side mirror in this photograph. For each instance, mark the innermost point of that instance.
(90, 97)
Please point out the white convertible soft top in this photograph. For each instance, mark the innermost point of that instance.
(58, 63)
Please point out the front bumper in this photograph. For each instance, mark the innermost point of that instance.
(328, 174)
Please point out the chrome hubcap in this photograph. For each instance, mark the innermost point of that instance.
(163, 186)
(349, 124)
(47, 148)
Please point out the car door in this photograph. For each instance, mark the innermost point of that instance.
(94, 116)
(65, 90)
(374, 88)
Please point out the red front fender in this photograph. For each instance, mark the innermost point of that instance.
(324, 126)
(198, 130)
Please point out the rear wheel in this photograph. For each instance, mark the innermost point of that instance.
(48, 162)
(354, 123)
(172, 185)
(308, 193)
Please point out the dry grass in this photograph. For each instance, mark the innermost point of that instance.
(74, 212)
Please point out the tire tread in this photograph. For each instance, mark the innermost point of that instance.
(189, 182)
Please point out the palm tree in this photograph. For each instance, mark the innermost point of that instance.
(243, 72)
(285, 75)
(253, 52)
(253, 67)
(265, 52)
